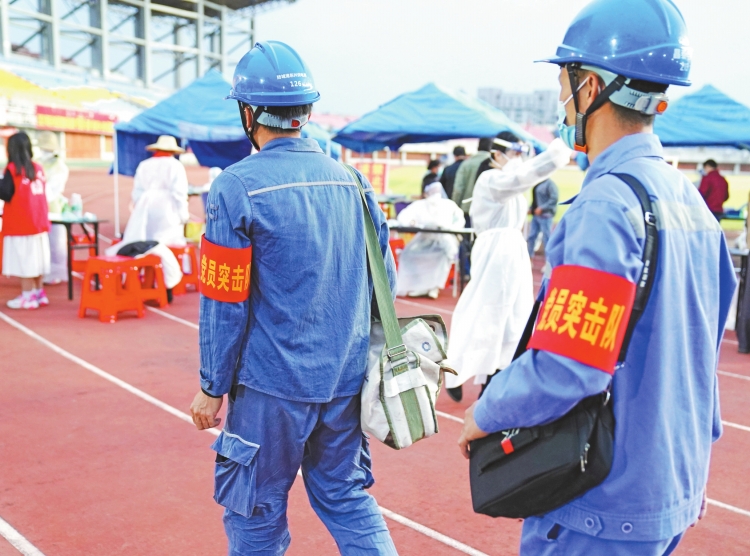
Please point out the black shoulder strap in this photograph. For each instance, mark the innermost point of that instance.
(650, 257)
(645, 282)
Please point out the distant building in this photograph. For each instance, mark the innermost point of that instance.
(537, 108)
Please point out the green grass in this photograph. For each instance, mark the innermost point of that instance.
(407, 180)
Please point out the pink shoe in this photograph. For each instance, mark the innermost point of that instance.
(23, 301)
(41, 298)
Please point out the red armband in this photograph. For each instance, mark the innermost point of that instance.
(585, 316)
(225, 272)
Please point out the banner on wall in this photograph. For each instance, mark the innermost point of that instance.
(60, 119)
(376, 173)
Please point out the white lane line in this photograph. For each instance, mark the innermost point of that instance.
(96, 370)
(430, 308)
(733, 375)
(17, 540)
(733, 342)
(735, 426)
(449, 416)
(185, 417)
(728, 507)
(172, 317)
(431, 533)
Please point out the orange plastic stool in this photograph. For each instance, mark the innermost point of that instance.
(151, 280)
(79, 265)
(397, 245)
(451, 276)
(119, 288)
(192, 278)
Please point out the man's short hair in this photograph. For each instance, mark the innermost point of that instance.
(433, 164)
(485, 144)
(626, 115)
(288, 113)
(711, 163)
(508, 137)
(459, 151)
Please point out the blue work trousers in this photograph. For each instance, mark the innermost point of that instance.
(539, 225)
(541, 536)
(265, 442)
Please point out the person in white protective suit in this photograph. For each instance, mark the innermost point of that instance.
(491, 314)
(56, 172)
(159, 206)
(425, 263)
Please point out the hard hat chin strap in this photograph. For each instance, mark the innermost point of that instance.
(599, 101)
(253, 126)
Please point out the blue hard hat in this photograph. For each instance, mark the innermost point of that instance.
(638, 39)
(273, 74)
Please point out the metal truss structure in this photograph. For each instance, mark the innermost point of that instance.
(150, 43)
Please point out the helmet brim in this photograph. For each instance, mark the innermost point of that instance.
(562, 60)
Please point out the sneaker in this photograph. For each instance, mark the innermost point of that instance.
(433, 294)
(23, 301)
(41, 298)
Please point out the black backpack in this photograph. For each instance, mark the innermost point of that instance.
(552, 464)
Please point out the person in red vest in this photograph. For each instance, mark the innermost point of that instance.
(25, 223)
(714, 188)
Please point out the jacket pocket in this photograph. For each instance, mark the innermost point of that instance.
(234, 480)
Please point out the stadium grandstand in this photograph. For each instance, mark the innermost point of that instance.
(77, 66)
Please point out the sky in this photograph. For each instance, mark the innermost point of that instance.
(363, 53)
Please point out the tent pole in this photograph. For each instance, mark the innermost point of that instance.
(117, 187)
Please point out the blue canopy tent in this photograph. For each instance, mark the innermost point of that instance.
(427, 115)
(706, 118)
(199, 115)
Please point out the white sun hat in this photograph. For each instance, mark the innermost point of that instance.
(166, 143)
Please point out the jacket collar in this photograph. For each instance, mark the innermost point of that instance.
(292, 144)
(639, 145)
(627, 148)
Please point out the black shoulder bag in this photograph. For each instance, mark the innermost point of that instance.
(550, 465)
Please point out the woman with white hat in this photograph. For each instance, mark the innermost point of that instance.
(159, 202)
(159, 207)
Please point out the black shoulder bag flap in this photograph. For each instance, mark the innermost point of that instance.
(531, 471)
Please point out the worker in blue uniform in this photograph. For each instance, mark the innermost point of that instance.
(291, 351)
(616, 62)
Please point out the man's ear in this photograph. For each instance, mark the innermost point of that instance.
(248, 116)
(591, 91)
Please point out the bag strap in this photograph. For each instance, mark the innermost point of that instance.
(394, 342)
(650, 257)
(645, 282)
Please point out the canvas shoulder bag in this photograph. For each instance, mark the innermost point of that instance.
(405, 360)
(531, 471)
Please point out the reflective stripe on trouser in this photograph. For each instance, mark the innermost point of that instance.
(326, 441)
(541, 536)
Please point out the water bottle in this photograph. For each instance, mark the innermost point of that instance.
(76, 205)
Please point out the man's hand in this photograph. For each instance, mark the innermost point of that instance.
(538, 211)
(704, 509)
(470, 431)
(204, 409)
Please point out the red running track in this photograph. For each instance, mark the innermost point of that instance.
(90, 468)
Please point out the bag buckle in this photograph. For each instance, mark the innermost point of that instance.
(650, 218)
(396, 352)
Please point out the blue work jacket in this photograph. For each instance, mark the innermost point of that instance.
(303, 334)
(665, 396)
